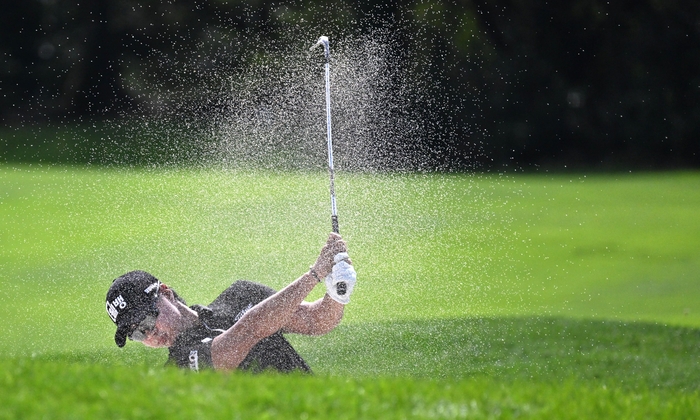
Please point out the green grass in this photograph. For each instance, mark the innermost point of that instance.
(99, 392)
(536, 296)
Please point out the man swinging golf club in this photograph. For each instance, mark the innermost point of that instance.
(243, 327)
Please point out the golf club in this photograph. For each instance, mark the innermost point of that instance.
(334, 210)
(341, 287)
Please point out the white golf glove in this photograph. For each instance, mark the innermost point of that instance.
(341, 281)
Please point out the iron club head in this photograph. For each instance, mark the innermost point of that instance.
(326, 47)
(321, 41)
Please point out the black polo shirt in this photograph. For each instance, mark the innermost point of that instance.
(192, 348)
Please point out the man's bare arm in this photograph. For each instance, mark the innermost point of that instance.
(230, 348)
(315, 318)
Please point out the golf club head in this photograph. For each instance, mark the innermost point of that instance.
(326, 46)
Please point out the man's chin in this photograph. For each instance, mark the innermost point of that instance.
(157, 342)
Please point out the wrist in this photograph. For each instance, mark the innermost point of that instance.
(314, 274)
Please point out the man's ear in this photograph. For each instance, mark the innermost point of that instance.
(166, 292)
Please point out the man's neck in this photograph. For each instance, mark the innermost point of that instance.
(189, 317)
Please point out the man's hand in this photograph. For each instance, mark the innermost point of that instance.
(334, 246)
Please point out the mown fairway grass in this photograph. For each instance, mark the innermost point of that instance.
(539, 296)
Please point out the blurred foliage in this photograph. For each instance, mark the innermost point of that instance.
(523, 82)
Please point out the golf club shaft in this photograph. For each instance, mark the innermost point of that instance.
(327, 53)
(331, 171)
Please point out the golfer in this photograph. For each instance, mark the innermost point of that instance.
(243, 327)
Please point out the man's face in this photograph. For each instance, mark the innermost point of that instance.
(166, 329)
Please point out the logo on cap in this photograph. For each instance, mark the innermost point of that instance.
(112, 310)
(150, 288)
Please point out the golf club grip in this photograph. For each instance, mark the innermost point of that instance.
(334, 223)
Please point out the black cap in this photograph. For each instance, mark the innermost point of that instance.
(130, 299)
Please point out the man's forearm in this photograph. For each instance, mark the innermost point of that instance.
(315, 318)
(328, 315)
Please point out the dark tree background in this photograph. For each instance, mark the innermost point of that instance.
(585, 83)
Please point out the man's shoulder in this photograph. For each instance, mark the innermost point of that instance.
(233, 303)
(243, 290)
(251, 287)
